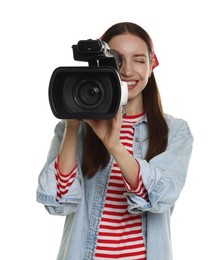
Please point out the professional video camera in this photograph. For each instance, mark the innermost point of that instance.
(92, 92)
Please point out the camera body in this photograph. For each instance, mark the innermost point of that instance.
(92, 92)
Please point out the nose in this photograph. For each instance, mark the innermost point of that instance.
(127, 69)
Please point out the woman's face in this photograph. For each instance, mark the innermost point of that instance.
(136, 67)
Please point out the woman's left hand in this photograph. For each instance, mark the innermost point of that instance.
(108, 130)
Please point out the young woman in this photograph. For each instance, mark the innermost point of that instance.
(117, 180)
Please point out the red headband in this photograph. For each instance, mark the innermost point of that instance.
(155, 60)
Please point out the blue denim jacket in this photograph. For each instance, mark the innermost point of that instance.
(164, 177)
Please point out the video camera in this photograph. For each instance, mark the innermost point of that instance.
(92, 92)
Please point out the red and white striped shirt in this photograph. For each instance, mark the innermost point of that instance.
(64, 181)
(120, 232)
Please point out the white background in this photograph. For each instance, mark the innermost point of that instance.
(36, 37)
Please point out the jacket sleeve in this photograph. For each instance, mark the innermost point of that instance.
(47, 183)
(164, 175)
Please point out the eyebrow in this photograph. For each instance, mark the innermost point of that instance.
(135, 55)
(140, 55)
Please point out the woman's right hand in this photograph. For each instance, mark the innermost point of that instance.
(73, 123)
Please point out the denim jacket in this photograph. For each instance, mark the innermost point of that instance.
(163, 176)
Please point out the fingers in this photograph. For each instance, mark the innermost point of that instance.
(90, 122)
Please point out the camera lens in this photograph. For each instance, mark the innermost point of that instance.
(88, 93)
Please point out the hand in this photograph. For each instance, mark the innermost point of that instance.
(108, 130)
(73, 123)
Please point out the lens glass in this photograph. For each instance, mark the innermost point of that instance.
(88, 93)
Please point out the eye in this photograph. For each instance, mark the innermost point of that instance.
(140, 61)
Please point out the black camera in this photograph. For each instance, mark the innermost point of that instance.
(92, 92)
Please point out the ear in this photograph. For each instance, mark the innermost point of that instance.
(151, 66)
(152, 63)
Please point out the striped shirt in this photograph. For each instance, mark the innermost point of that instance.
(64, 181)
(120, 233)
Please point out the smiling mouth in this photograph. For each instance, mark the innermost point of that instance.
(131, 84)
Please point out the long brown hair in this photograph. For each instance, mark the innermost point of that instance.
(95, 155)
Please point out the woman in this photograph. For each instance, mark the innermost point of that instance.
(117, 180)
